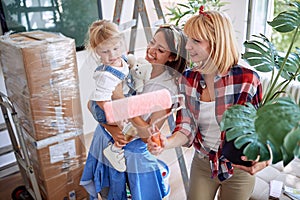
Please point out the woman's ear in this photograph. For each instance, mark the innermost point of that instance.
(171, 58)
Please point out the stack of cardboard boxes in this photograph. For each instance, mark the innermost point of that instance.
(41, 78)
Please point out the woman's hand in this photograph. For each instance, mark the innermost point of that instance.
(177, 139)
(256, 166)
(117, 134)
(154, 147)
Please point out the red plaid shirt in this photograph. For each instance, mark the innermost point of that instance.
(238, 86)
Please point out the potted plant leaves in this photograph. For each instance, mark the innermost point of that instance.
(179, 13)
(276, 122)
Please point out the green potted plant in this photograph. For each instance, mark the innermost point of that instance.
(277, 120)
(179, 13)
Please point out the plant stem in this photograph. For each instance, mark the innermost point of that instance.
(271, 90)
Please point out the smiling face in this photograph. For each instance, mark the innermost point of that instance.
(158, 51)
(198, 50)
(212, 42)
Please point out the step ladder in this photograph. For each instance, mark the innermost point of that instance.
(140, 9)
(18, 146)
(9, 168)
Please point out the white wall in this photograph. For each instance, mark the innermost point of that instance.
(238, 10)
(86, 67)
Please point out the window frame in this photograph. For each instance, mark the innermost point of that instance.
(5, 28)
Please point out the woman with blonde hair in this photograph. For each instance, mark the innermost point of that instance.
(215, 83)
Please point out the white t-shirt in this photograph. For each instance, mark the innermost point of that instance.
(106, 82)
(209, 127)
(163, 81)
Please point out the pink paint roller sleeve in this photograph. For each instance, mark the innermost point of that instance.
(126, 108)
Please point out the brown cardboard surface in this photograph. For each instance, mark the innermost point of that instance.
(57, 156)
(40, 72)
(64, 186)
(49, 116)
(43, 60)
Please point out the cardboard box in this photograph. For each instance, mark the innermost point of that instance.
(43, 61)
(47, 117)
(41, 76)
(65, 186)
(56, 155)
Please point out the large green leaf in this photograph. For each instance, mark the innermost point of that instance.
(292, 142)
(270, 124)
(292, 64)
(262, 55)
(253, 148)
(238, 122)
(286, 21)
(274, 123)
(277, 118)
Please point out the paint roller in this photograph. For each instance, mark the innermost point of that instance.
(133, 106)
(126, 108)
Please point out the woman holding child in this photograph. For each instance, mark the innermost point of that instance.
(166, 52)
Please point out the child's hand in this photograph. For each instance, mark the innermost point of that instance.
(116, 134)
(118, 92)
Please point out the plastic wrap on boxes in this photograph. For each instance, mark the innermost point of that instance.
(41, 77)
(64, 186)
(55, 155)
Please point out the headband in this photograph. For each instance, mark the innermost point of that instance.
(177, 38)
(202, 12)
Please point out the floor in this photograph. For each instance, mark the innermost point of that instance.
(9, 183)
(175, 180)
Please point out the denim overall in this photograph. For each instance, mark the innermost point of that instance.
(96, 111)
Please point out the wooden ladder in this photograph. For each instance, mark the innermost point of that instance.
(139, 8)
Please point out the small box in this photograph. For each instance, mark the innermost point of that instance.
(55, 155)
(64, 186)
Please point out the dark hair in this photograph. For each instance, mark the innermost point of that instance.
(168, 31)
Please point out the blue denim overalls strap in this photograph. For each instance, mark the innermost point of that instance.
(96, 111)
(120, 75)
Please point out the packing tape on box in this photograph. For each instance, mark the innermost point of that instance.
(57, 138)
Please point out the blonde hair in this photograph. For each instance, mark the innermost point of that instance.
(216, 28)
(101, 31)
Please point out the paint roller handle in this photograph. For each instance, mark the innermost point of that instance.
(155, 135)
(154, 131)
(156, 138)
